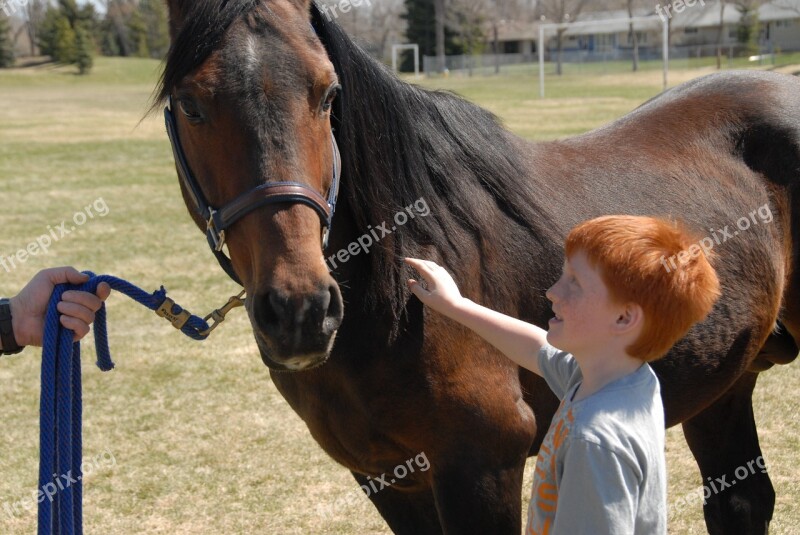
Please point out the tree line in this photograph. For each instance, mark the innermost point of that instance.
(73, 34)
(68, 32)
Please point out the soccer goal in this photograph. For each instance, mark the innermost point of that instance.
(396, 49)
(591, 30)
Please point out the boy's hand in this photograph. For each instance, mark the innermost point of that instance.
(516, 339)
(439, 291)
(29, 307)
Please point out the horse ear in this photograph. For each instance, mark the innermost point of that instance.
(177, 14)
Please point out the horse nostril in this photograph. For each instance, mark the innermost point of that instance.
(278, 306)
(335, 312)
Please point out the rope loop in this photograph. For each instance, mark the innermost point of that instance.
(60, 410)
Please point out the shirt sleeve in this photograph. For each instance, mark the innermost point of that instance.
(557, 368)
(598, 493)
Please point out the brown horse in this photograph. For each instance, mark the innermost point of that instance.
(253, 86)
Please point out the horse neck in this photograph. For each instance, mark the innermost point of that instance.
(401, 143)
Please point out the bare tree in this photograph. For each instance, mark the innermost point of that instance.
(468, 19)
(504, 10)
(439, 14)
(561, 11)
(34, 15)
(385, 23)
(375, 24)
(485, 16)
(633, 35)
(720, 35)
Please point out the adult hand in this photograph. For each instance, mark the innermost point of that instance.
(29, 307)
(440, 291)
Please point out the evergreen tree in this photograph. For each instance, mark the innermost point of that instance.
(109, 40)
(6, 43)
(47, 31)
(64, 47)
(69, 8)
(154, 13)
(422, 31)
(137, 33)
(89, 20)
(84, 48)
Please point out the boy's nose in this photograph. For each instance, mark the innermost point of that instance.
(550, 294)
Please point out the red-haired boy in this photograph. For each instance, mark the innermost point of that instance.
(601, 467)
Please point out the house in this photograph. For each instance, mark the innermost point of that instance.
(606, 35)
(780, 24)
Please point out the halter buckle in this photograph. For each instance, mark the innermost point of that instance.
(218, 316)
(325, 235)
(217, 236)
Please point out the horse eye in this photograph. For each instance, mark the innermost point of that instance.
(189, 109)
(330, 97)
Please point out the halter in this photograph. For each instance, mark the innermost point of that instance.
(219, 220)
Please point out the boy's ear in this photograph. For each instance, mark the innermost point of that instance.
(630, 317)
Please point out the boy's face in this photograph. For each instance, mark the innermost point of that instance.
(584, 316)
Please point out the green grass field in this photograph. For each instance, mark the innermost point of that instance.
(194, 438)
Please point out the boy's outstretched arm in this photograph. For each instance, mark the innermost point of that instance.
(518, 340)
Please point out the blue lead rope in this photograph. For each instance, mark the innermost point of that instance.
(60, 412)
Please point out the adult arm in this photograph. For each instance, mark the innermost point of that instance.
(77, 309)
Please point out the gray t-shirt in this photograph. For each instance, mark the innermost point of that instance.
(601, 467)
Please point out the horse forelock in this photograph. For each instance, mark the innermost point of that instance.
(201, 32)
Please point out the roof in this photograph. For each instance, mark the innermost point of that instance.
(779, 10)
(697, 16)
(601, 22)
(706, 16)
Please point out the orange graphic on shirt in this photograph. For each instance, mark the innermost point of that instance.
(544, 495)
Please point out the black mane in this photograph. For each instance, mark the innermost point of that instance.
(400, 143)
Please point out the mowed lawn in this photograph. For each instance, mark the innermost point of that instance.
(193, 437)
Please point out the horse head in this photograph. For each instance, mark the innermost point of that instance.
(250, 89)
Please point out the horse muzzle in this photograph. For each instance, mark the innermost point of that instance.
(295, 332)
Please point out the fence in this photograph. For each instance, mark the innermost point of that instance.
(607, 60)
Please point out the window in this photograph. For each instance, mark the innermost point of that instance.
(690, 30)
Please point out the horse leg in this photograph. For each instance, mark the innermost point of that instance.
(724, 441)
(406, 512)
(474, 497)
